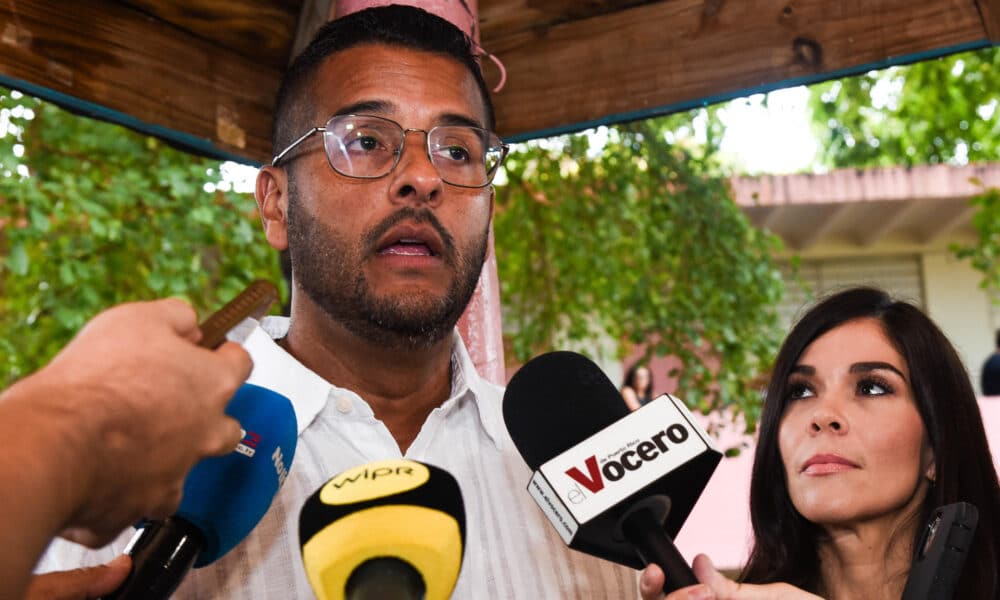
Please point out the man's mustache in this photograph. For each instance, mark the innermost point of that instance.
(414, 215)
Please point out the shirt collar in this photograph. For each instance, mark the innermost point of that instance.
(466, 382)
(276, 369)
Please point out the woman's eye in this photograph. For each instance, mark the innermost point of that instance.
(797, 391)
(873, 388)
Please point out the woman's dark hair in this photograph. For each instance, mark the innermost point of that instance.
(785, 545)
(393, 25)
(629, 380)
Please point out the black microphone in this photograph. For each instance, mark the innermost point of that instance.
(392, 529)
(941, 552)
(614, 484)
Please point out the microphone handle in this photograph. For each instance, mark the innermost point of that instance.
(651, 541)
(385, 577)
(162, 553)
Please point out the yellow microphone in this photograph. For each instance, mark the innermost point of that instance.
(392, 529)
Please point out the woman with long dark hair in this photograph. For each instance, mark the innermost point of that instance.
(637, 389)
(870, 423)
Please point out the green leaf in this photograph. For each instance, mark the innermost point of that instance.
(104, 217)
(39, 220)
(17, 261)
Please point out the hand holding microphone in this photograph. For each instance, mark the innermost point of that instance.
(717, 586)
(156, 378)
(388, 529)
(615, 484)
(107, 431)
(224, 497)
(131, 383)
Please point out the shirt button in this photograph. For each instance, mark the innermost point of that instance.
(344, 404)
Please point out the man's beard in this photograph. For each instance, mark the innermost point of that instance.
(328, 269)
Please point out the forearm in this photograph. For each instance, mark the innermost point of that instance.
(44, 472)
(630, 399)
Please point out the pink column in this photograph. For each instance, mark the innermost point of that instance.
(480, 324)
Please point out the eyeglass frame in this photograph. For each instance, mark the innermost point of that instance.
(504, 149)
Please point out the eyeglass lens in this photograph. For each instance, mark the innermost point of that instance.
(365, 146)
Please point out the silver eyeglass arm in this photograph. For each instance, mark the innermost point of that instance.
(274, 161)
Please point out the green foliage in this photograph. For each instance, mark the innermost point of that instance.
(636, 241)
(640, 241)
(101, 215)
(938, 111)
(984, 255)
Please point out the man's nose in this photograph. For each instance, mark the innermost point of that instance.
(416, 179)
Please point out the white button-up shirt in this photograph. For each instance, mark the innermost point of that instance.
(511, 551)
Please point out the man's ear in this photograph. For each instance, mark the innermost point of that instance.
(271, 192)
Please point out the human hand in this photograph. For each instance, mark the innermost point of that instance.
(143, 403)
(80, 584)
(715, 586)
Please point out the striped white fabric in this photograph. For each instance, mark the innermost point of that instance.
(511, 551)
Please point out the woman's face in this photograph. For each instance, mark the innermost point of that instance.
(641, 379)
(851, 440)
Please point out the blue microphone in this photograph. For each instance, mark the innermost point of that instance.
(224, 498)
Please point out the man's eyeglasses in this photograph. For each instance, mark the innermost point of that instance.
(369, 147)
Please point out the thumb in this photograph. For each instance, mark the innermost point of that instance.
(179, 316)
(80, 584)
(719, 584)
(106, 578)
(651, 582)
(722, 587)
(705, 571)
(236, 359)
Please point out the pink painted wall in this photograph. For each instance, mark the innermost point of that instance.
(719, 524)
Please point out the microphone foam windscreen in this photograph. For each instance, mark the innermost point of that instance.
(399, 509)
(556, 400)
(226, 496)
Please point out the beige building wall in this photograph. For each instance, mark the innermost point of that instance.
(948, 289)
(962, 310)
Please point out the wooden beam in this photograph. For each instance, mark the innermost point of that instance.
(499, 18)
(261, 31)
(989, 10)
(112, 60)
(831, 215)
(882, 222)
(570, 10)
(313, 15)
(676, 54)
(762, 217)
(945, 223)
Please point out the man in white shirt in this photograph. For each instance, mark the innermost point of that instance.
(385, 209)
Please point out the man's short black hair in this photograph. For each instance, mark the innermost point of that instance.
(394, 25)
(998, 338)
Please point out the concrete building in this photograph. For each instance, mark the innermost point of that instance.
(889, 227)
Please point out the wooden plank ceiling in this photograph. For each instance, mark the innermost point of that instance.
(204, 72)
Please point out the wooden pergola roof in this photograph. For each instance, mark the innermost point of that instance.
(203, 73)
